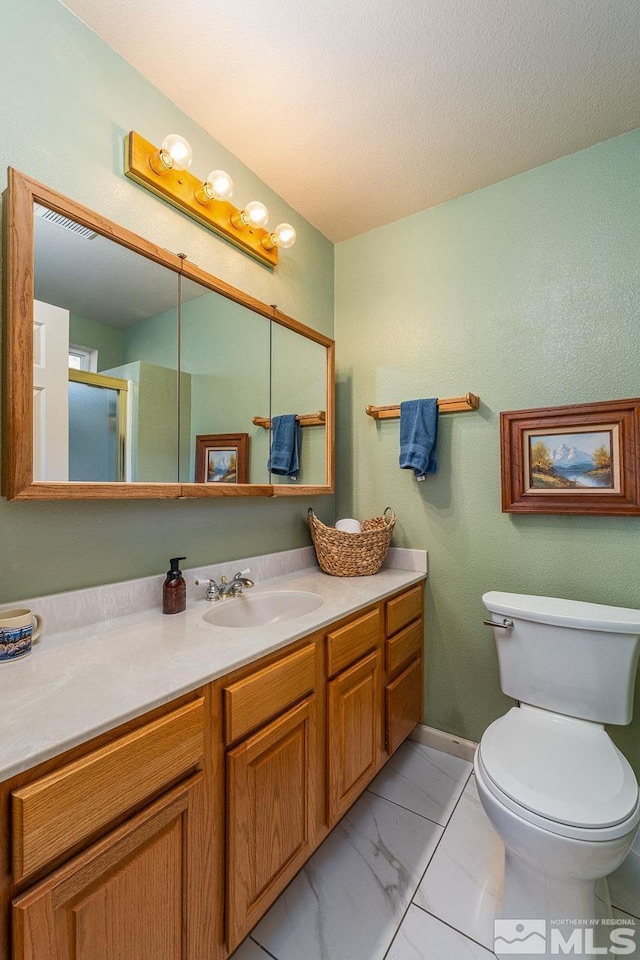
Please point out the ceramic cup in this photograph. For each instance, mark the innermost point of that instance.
(19, 627)
(349, 525)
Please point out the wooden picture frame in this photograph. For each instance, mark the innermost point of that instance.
(577, 459)
(222, 458)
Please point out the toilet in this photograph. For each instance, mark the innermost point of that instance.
(555, 788)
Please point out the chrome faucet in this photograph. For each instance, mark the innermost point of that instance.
(236, 586)
(227, 588)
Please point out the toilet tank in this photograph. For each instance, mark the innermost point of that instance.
(577, 659)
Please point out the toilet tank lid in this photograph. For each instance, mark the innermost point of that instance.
(564, 613)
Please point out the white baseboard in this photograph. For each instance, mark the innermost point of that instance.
(447, 742)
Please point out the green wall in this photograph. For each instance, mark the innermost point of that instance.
(68, 100)
(94, 335)
(528, 294)
(225, 352)
(225, 349)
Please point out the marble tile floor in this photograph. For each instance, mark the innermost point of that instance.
(412, 872)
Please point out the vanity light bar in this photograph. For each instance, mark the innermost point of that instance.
(181, 189)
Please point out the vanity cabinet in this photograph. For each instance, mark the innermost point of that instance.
(403, 705)
(354, 710)
(272, 781)
(404, 640)
(170, 837)
(129, 895)
(354, 723)
(111, 855)
(56, 812)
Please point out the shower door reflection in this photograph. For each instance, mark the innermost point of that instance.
(97, 427)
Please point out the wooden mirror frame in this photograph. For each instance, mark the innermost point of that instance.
(19, 198)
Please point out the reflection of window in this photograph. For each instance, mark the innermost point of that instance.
(83, 358)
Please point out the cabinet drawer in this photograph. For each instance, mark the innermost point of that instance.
(402, 610)
(403, 701)
(348, 644)
(53, 814)
(264, 694)
(404, 646)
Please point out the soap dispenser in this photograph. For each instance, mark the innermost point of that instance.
(174, 589)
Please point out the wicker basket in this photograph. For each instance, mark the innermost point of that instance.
(352, 554)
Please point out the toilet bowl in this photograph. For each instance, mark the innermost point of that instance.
(551, 865)
(556, 789)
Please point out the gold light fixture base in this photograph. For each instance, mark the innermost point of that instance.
(179, 188)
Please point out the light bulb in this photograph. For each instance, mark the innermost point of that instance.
(283, 236)
(217, 186)
(176, 153)
(255, 214)
(220, 184)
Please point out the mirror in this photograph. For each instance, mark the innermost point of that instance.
(148, 377)
(224, 358)
(299, 376)
(105, 358)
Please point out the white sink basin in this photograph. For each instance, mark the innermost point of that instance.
(248, 611)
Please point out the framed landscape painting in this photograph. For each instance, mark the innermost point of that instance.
(222, 458)
(581, 458)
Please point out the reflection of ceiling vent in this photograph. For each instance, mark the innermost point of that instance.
(46, 214)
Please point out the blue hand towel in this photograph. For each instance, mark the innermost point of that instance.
(286, 437)
(418, 435)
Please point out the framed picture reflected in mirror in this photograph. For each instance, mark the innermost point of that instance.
(222, 458)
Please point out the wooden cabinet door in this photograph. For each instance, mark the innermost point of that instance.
(138, 894)
(403, 702)
(271, 791)
(354, 717)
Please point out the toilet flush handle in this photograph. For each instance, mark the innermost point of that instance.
(505, 625)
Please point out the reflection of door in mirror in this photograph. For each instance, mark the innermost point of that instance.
(102, 309)
(299, 387)
(224, 359)
(50, 392)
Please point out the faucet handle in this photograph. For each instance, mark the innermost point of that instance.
(242, 578)
(213, 590)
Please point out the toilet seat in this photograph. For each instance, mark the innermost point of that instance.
(562, 774)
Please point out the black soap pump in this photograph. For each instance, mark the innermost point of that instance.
(174, 589)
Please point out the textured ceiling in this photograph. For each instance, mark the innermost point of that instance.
(359, 113)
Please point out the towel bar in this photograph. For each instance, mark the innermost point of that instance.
(451, 405)
(306, 420)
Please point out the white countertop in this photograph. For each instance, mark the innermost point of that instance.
(79, 683)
